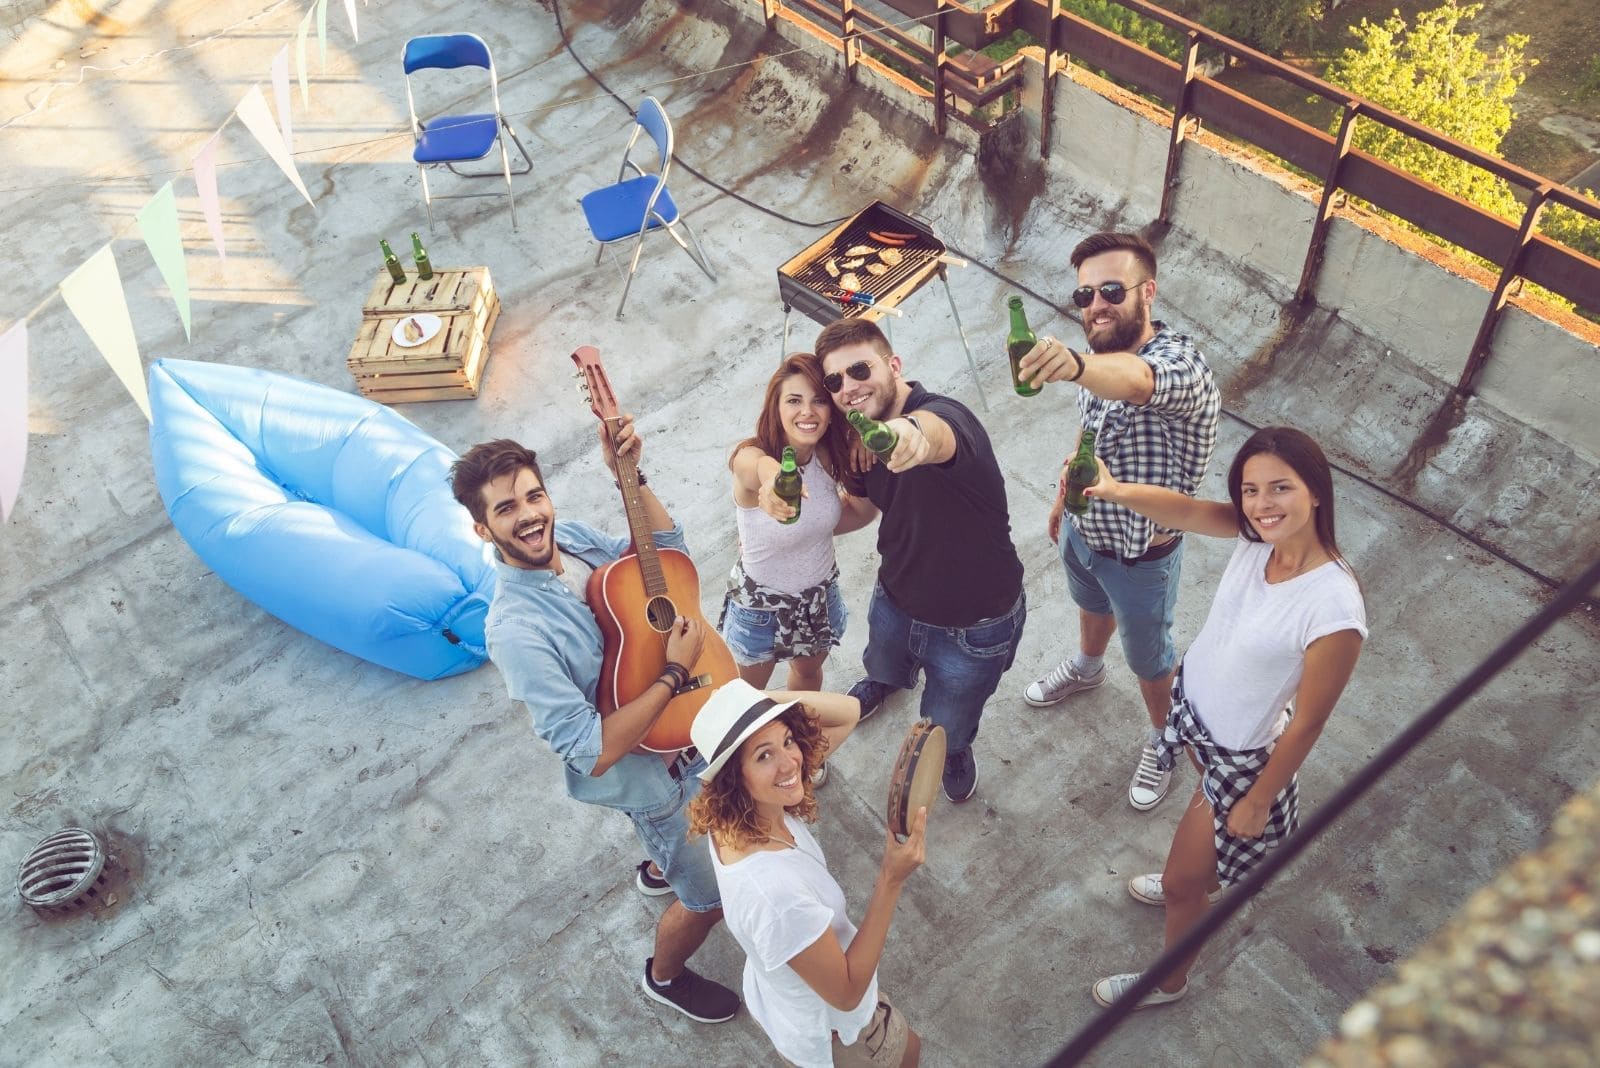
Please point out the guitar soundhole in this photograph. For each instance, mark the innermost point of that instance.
(661, 612)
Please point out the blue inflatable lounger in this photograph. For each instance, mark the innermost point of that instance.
(328, 510)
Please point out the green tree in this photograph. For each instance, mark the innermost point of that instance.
(1437, 74)
(1265, 24)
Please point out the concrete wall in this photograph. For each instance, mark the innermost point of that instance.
(1369, 369)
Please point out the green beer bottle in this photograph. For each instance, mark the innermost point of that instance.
(1082, 473)
(787, 484)
(1018, 343)
(419, 256)
(391, 261)
(874, 435)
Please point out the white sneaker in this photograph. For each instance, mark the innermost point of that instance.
(1149, 783)
(819, 776)
(1111, 987)
(1147, 889)
(1060, 683)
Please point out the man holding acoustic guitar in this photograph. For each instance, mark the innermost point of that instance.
(560, 656)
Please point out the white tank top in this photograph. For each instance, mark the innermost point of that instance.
(792, 557)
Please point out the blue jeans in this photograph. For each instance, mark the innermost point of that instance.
(1140, 596)
(963, 665)
(684, 862)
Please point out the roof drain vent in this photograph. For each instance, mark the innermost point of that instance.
(63, 873)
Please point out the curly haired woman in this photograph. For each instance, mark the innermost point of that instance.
(810, 975)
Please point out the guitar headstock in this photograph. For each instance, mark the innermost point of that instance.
(595, 385)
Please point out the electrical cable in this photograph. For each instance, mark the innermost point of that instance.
(1465, 535)
(1568, 597)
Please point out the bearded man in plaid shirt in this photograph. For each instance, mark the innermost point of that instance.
(1149, 396)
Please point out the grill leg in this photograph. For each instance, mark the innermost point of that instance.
(944, 276)
(784, 354)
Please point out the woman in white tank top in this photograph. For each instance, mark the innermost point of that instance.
(1287, 623)
(783, 600)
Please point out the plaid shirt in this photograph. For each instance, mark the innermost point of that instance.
(1165, 442)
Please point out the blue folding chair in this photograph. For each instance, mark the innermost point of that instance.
(633, 207)
(452, 139)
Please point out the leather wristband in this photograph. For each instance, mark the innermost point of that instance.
(1076, 355)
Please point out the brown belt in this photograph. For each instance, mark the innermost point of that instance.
(1165, 549)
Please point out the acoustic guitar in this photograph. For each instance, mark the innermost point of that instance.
(636, 597)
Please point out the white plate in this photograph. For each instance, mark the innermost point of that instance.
(430, 325)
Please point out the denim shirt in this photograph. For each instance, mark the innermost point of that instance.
(546, 643)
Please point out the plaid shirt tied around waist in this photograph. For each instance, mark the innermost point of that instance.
(1228, 776)
(1167, 441)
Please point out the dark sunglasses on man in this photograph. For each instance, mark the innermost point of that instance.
(1113, 292)
(861, 370)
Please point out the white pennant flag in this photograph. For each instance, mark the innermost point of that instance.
(94, 293)
(300, 56)
(252, 111)
(350, 13)
(280, 95)
(13, 413)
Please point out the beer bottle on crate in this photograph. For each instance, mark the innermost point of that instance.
(391, 261)
(1082, 473)
(874, 435)
(419, 256)
(1018, 342)
(787, 484)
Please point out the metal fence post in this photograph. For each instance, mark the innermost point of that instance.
(769, 11)
(939, 60)
(1502, 290)
(1047, 101)
(1330, 186)
(852, 47)
(1180, 113)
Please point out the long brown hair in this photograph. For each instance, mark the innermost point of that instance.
(769, 436)
(1304, 456)
(725, 808)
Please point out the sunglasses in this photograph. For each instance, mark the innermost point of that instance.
(861, 370)
(1113, 292)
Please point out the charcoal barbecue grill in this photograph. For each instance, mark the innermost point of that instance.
(806, 281)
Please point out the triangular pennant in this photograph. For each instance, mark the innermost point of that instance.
(94, 293)
(322, 34)
(252, 111)
(205, 184)
(300, 57)
(350, 13)
(13, 413)
(158, 225)
(280, 96)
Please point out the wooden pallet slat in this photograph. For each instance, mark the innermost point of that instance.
(449, 365)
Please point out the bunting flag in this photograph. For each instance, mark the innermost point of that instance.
(13, 413)
(322, 33)
(205, 184)
(350, 13)
(252, 111)
(94, 293)
(158, 225)
(280, 96)
(300, 57)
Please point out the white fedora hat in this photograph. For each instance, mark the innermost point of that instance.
(735, 712)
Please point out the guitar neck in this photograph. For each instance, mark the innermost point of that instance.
(644, 540)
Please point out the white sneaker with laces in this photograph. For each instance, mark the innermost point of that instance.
(819, 776)
(1147, 889)
(1150, 783)
(1061, 682)
(1111, 987)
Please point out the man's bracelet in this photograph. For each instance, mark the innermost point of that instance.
(1079, 357)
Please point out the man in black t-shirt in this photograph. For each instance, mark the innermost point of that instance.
(949, 595)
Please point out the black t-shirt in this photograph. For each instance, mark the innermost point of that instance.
(945, 536)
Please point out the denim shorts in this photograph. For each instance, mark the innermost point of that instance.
(1141, 597)
(751, 632)
(685, 862)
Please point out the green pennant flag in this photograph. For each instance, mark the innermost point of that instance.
(158, 225)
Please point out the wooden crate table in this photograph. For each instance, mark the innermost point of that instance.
(448, 365)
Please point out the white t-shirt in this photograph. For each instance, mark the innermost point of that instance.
(1246, 663)
(777, 904)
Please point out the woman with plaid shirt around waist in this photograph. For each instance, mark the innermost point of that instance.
(1287, 623)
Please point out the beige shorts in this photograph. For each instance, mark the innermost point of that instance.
(881, 1044)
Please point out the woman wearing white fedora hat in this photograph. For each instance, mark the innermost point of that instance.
(810, 975)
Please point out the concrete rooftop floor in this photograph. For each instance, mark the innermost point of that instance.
(331, 863)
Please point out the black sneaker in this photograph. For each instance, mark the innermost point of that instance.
(960, 775)
(650, 885)
(693, 995)
(870, 692)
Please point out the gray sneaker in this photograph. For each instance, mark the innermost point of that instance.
(1060, 683)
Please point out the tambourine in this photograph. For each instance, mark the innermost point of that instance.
(918, 771)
